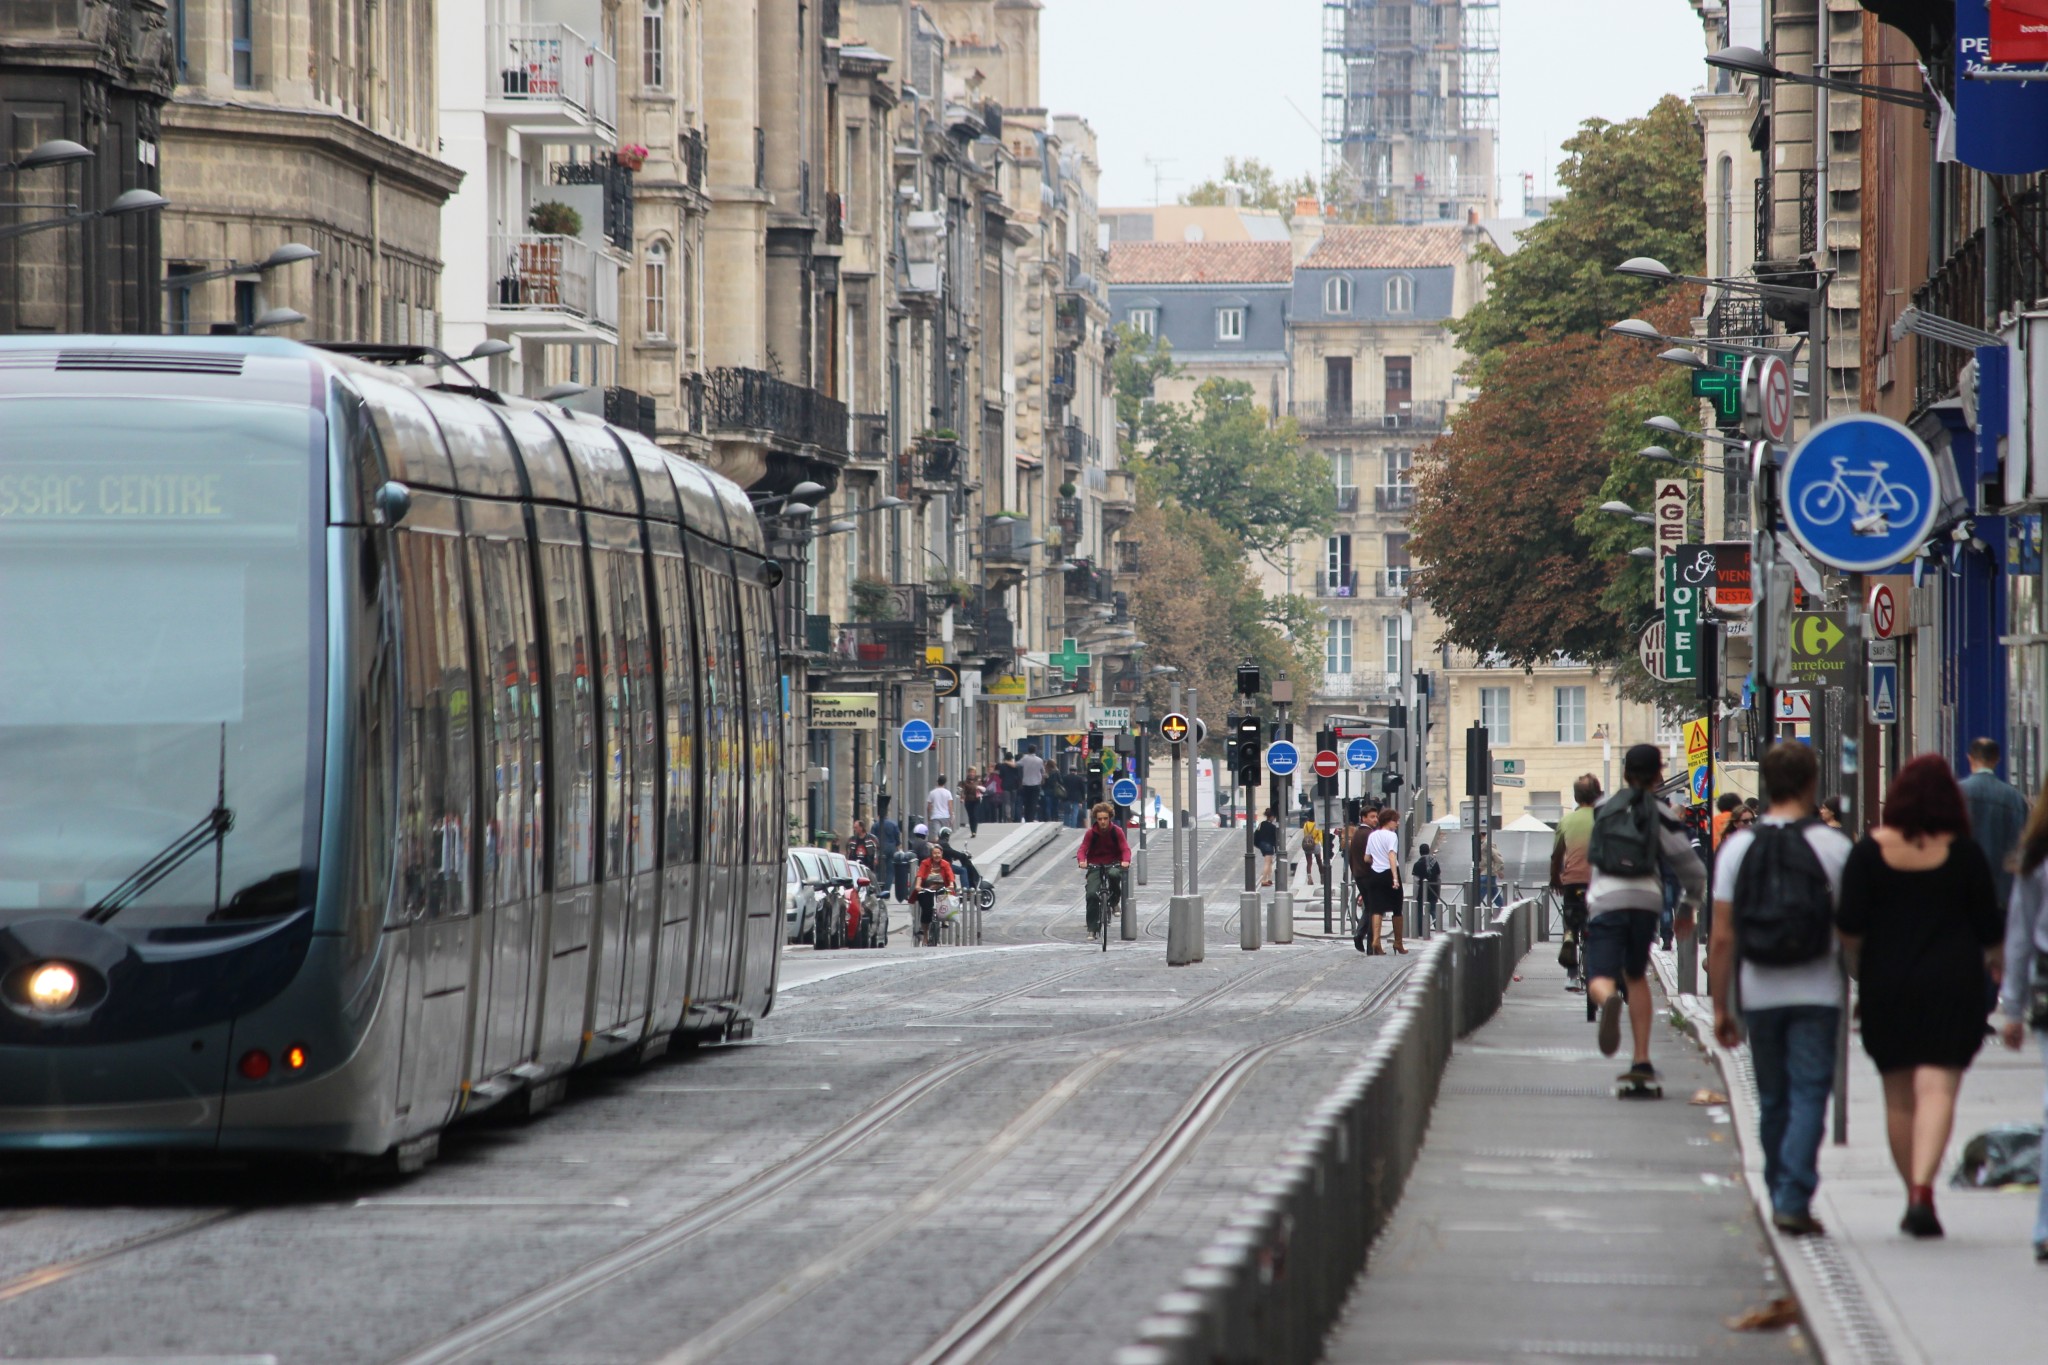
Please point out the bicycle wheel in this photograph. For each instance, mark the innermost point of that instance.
(1823, 504)
(1900, 505)
(1103, 911)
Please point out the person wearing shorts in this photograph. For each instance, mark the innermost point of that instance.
(1570, 873)
(1623, 913)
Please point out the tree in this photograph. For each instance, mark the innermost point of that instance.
(1258, 185)
(1222, 457)
(1141, 361)
(1508, 552)
(1632, 189)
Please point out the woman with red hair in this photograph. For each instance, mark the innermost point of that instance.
(1923, 927)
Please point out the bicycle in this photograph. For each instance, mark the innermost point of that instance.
(1873, 509)
(1105, 897)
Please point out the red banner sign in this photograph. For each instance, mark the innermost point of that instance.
(2019, 30)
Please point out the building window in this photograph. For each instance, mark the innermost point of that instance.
(1346, 481)
(1399, 465)
(178, 36)
(654, 44)
(1144, 321)
(1493, 714)
(1337, 294)
(1390, 648)
(1571, 715)
(1337, 579)
(178, 298)
(1230, 324)
(245, 43)
(654, 283)
(1337, 646)
(1400, 294)
(245, 303)
(1724, 220)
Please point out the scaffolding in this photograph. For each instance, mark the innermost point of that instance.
(1411, 108)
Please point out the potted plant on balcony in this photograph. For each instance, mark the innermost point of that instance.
(632, 156)
(873, 600)
(553, 218)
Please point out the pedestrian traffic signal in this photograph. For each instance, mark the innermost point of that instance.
(1250, 747)
(1230, 723)
(1390, 782)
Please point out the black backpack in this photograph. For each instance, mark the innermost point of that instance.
(1624, 840)
(1784, 910)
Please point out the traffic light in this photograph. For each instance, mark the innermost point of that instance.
(1390, 782)
(1326, 787)
(1230, 742)
(1249, 758)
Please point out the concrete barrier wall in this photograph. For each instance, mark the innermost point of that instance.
(1269, 1284)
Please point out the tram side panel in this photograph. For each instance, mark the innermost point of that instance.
(573, 768)
(768, 834)
(679, 881)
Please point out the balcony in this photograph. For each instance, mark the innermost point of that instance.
(1068, 510)
(1007, 541)
(879, 645)
(936, 463)
(741, 400)
(1086, 583)
(632, 410)
(1119, 499)
(1356, 685)
(694, 154)
(1347, 497)
(1393, 497)
(1391, 582)
(550, 83)
(1415, 415)
(1070, 321)
(1078, 446)
(1130, 556)
(614, 184)
(1337, 583)
(555, 287)
(1061, 386)
(818, 633)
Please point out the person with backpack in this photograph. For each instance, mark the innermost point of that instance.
(1776, 888)
(1634, 837)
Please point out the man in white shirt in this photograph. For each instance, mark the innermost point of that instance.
(1791, 1011)
(938, 804)
(1031, 771)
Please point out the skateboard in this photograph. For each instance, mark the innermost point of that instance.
(1629, 1086)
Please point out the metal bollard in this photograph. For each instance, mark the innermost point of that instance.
(1280, 918)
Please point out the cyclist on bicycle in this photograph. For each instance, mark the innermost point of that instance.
(934, 878)
(1571, 873)
(1103, 849)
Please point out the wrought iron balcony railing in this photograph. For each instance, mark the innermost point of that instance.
(1393, 497)
(552, 64)
(753, 400)
(1414, 415)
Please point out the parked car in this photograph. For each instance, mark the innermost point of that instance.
(807, 885)
(867, 913)
(828, 923)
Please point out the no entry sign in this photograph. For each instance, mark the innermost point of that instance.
(1327, 763)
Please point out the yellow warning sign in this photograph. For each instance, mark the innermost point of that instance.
(1699, 758)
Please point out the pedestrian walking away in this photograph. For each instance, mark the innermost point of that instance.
(1102, 848)
(1776, 889)
(1031, 777)
(1379, 877)
(2023, 993)
(1266, 839)
(1313, 854)
(1635, 836)
(1428, 876)
(1922, 927)
(970, 801)
(938, 803)
(1571, 874)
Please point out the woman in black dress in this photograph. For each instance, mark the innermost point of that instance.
(1923, 926)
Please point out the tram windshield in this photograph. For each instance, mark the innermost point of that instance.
(157, 693)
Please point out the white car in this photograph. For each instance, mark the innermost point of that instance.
(806, 873)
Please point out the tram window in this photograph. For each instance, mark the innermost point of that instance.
(435, 813)
(678, 673)
(509, 723)
(572, 736)
(639, 689)
(723, 817)
(765, 685)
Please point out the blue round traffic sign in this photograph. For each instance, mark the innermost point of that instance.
(1282, 757)
(1124, 791)
(1362, 755)
(1860, 492)
(917, 735)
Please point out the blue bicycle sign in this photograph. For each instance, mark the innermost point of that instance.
(1860, 493)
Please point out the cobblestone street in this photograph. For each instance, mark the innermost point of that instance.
(893, 1144)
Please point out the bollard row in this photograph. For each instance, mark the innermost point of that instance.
(1269, 1284)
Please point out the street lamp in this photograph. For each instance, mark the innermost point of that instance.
(1747, 61)
(1650, 268)
(130, 201)
(1642, 552)
(1661, 454)
(803, 495)
(1635, 329)
(557, 393)
(1670, 427)
(289, 254)
(56, 152)
(1678, 355)
(1617, 507)
(487, 349)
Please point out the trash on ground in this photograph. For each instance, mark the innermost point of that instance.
(1707, 1097)
(1769, 1318)
(2009, 1154)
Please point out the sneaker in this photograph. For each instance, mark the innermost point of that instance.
(1610, 1025)
(1920, 1222)
(2041, 1253)
(1798, 1224)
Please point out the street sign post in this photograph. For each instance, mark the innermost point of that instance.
(1362, 755)
(917, 735)
(1884, 611)
(1282, 757)
(1795, 706)
(1860, 493)
(1327, 763)
(1124, 792)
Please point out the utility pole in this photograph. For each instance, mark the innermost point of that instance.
(1281, 930)
(1247, 778)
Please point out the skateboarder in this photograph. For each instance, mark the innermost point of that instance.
(1635, 836)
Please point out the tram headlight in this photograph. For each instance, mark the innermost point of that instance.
(51, 987)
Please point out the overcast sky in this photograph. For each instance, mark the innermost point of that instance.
(1190, 81)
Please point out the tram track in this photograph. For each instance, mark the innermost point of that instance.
(56, 1272)
(762, 1188)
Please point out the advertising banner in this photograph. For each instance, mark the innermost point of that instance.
(845, 711)
(2019, 30)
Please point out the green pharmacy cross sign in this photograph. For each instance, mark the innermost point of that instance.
(1721, 384)
(1069, 661)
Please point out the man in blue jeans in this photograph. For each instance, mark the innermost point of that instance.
(1790, 1012)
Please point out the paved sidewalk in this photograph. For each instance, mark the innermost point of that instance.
(1548, 1221)
(1871, 1293)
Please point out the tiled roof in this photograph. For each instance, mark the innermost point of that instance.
(1386, 248)
(1200, 263)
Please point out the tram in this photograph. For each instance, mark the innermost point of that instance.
(374, 748)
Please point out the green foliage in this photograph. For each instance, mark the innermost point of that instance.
(1256, 480)
(1259, 186)
(551, 217)
(873, 600)
(1632, 189)
(1141, 361)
